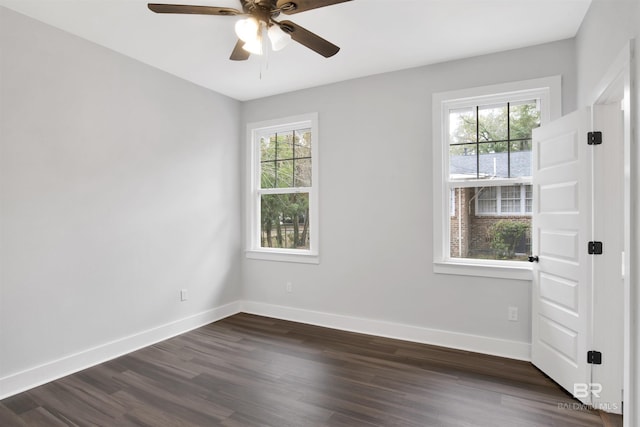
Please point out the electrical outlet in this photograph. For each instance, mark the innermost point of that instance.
(513, 314)
(183, 295)
(289, 287)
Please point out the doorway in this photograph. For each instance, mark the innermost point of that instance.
(613, 311)
(582, 289)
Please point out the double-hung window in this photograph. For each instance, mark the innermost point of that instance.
(482, 175)
(283, 194)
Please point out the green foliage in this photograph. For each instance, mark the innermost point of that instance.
(505, 236)
(285, 159)
(490, 126)
(285, 220)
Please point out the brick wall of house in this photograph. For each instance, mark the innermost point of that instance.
(460, 241)
(475, 240)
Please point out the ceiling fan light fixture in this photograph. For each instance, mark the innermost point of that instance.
(279, 39)
(247, 30)
(254, 46)
(257, 44)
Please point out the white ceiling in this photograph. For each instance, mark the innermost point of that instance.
(375, 36)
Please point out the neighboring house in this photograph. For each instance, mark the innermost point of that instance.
(476, 210)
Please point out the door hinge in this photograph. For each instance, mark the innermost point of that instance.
(595, 248)
(594, 357)
(594, 138)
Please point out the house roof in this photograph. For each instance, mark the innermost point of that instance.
(492, 165)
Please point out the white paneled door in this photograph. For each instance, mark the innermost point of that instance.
(561, 305)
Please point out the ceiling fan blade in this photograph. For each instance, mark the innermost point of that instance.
(239, 54)
(289, 7)
(194, 10)
(309, 39)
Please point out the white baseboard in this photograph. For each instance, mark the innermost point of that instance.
(33, 377)
(475, 343)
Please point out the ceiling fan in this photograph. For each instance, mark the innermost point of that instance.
(260, 24)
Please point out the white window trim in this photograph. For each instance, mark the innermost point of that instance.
(252, 227)
(548, 90)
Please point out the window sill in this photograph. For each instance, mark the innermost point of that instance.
(468, 268)
(282, 256)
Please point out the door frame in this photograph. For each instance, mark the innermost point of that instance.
(619, 77)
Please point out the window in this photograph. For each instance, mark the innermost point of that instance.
(491, 144)
(512, 200)
(282, 201)
(482, 165)
(486, 200)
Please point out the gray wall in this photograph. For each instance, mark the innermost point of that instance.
(118, 188)
(375, 200)
(102, 159)
(607, 28)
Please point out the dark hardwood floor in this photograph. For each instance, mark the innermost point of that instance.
(254, 371)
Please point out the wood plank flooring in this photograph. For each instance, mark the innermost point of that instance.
(249, 371)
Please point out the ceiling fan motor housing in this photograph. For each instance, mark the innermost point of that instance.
(262, 10)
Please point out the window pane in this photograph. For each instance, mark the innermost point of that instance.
(528, 198)
(523, 117)
(302, 143)
(285, 145)
(487, 200)
(267, 174)
(487, 235)
(492, 123)
(267, 148)
(462, 126)
(284, 221)
(494, 160)
(521, 145)
(521, 159)
(284, 173)
(510, 199)
(463, 161)
(302, 173)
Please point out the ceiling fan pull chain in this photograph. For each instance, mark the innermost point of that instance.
(266, 47)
